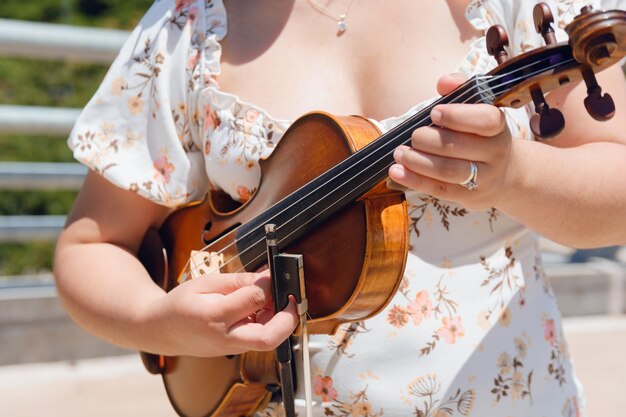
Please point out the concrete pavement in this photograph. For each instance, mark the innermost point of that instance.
(119, 386)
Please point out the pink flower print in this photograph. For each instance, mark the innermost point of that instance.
(362, 409)
(420, 308)
(193, 14)
(549, 331)
(135, 105)
(164, 169)
(117, 87)
(182, 4)
(245, 194)
(451, 329)
(211, 119)
(505, 317)
(207, 147)
(192, 60)
(323, 387)
(397, 317)
(215, 23)
(576, 406)
(251, 115)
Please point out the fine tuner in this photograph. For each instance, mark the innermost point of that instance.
(591, 51)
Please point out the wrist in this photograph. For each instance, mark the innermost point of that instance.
(520, 175)
(149, 325)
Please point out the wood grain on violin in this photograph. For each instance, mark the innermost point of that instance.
(323, 187)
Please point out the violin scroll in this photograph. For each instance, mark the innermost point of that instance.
(597, 40)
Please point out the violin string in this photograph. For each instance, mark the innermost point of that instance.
(412, 126)
(385, 155)
(331, 205)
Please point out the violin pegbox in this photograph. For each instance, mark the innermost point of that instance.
(546, 122)
(596, 37)
(597, 40)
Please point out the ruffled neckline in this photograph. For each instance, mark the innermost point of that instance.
(475, 61)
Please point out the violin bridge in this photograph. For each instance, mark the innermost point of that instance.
(203, 263)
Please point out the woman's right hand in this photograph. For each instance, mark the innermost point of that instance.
(107, 291)
(219, 314)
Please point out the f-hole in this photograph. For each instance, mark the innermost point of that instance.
(206, 237)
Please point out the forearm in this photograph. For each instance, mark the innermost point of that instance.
(574, 196)
(107, 291)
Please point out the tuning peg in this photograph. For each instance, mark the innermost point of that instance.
(496, 40)
(599, 106)
(547, 122)
(586, 9)
(543, 18)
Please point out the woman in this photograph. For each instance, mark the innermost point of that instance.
(473, 325)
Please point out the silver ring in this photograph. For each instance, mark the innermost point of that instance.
(471, 182)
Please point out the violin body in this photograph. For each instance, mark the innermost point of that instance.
(353, 261)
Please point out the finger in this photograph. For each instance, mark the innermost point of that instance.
(265, 315)
(430, 186)
(480, 119)
(264, 337)
(225, 283)
(244, 302)
(452, 144)
(441, 168)
(450, 82)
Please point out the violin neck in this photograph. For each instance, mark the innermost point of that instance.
(346, 182)
(369, 166)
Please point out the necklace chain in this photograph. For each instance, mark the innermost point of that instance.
(342, 25)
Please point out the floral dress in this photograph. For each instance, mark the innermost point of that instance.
(474, 328)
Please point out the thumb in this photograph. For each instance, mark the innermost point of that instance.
(448, 83)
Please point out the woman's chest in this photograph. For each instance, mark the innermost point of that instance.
(290, 61)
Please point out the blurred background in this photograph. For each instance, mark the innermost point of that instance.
(53, 55)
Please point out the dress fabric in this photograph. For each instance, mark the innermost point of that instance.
(474, 328)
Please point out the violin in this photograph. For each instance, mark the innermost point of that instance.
(324, 189)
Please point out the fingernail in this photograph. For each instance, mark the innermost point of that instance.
(397, 154)
(397, 171)
(435, 116)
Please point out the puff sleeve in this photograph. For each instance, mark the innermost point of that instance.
(141, 129)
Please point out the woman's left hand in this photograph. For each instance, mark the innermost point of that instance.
(438, 159)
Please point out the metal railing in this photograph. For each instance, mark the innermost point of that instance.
(41, 175)
(37, 120)
(53, 42)
(59, 42)
(30, 228)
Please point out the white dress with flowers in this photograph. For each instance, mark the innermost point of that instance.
(474, 328)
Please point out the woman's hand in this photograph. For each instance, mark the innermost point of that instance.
(108, 291)
(439, 156)
(217, 315)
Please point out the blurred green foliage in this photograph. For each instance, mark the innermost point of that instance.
(26, 258)
(36, 203)
(102, 13)
(33, 148)
(49, 83)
